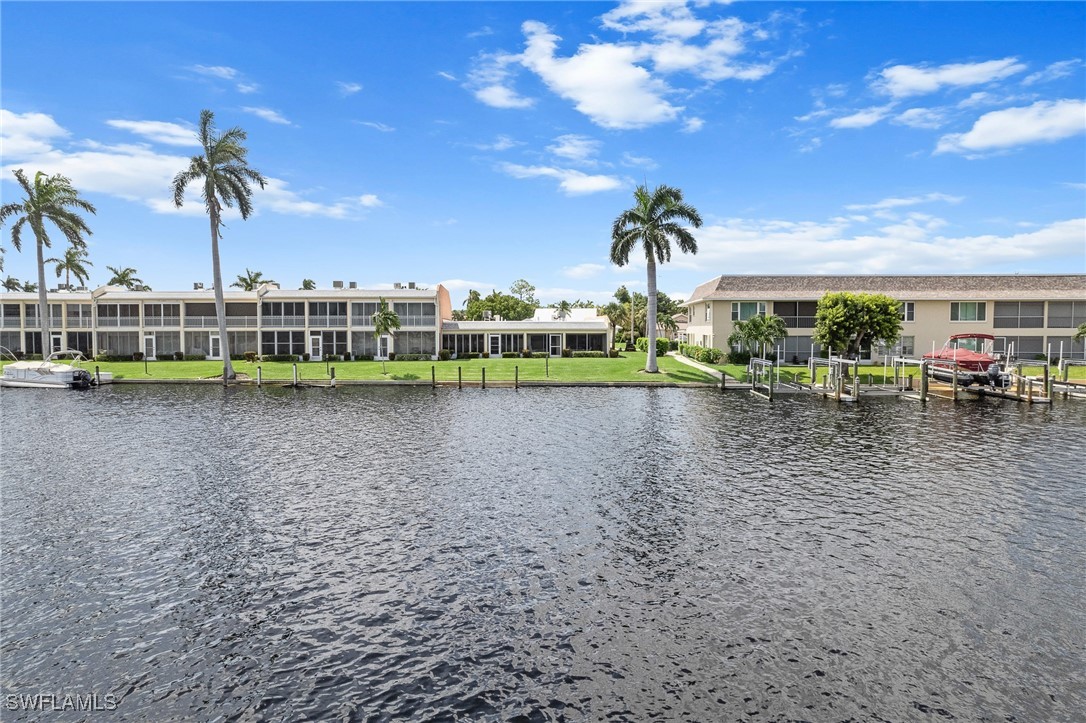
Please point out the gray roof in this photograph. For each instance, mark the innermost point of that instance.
(527, 325)
(977, 286)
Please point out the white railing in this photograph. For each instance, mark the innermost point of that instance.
(13, 322)
(212, 322)
(162, 321)
(80, 322)
(362, 321)
(282, 321)
(328, 321)
(417, 320)
(118, 321)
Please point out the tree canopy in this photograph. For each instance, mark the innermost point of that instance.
(506, 306)
(846, 321)
(524, 291)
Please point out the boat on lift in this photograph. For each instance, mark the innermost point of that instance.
(972, 357)
(51, 373)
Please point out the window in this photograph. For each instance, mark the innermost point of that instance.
(967, 311)
(414, 342)
(283, 308)
(797, 349)
(333, 342)
(907, 311)
(166, 343)
(586, 342)
(1019, 315)
(1026, 348)
(743, 310)
(282, 342)
(538, 343)
(708, 311)
(362, 313)
(1066, 347)
(328, 308)
(1066, 314)
(414, 313)
(463, 343)
(162, 314)
(796, 314)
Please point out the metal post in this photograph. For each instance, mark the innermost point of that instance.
(145, 366)
(484, 377)
(923, 382)
(771, 382)
(332, 371)
(433, 377)
(837, 388)
(516, 377)
(258, 376)
(97, 376)
(954, 383)
(295, 375)
(548, 365)
(1048, 383)
(459, 377)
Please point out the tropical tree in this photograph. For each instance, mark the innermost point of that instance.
(125, 277)
(12, 284)
(666, 323)
(654, 222)
(308, 285)
(1080, 333)
(615, 313)
(225, 177)
(758, 333)
(74, 262)
(30, 287)
(844, 321)
(562, 309)
(473, 296)
(251, 281)
(506, 306)
(53, 199)
(524, 291)
(385, 322)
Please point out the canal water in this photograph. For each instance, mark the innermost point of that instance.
(542, 554)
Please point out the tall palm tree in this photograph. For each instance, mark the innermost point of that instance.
(1080, 332)
(385, 321)
(654, 221)
(225, 176)
(562, 309)
(308, 285)
(48, 198)
(125, 277)
(615, 313)
(30, 287)
(12, 284)
(74, 262)
(251, 281)
(758, 332)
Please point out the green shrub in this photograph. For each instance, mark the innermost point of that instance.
(444, 355)
(526, 353)
(392, 356)
(643, 345)
(137, 356)
(540, 355)
(485, 355)
(673, 345)
(250, 356)
(280, 358)
(589, 355)
(468, 355)
(305, 357)
(567, 353)
(195, 357)
(178, 356)
(613, 353)
(330, 357)
(739, 357)
(510, 355)
(710, 356)
(363, 357)
(411, 357)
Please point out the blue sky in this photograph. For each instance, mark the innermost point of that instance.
(473, 144)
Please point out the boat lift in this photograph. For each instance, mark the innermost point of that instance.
(837, 382)
(761, 375)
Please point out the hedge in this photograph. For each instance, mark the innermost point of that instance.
(589, 355)
(705, 355)
(412, 357)
(642, 345)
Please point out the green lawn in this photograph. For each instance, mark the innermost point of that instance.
(629, 367)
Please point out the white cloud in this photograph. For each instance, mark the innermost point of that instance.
(370, 200)
(376, 126)
(629, 159)
(1042, 122)
(901, 81)
(573, 147)
(921, 118)
(248, 88)
(272, 116)
(888, 203)
(460, 285)
(570, 181)
(863, 118)
(490, 82)
(223, 72)
(172, 134)
(481, 32)
(23, 134)
(583, 271)
(668, 19)
(498, 96)
(346, 89)
(1055, 71)
(693, 125)
(446, 76)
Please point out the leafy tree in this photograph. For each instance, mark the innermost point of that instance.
(308, 285)
(473, 297)
(615, 313)
(758, 333)
(52, 199)
(12, 284)
(224, 175)
(72, 263)
(666, 305)
(653, 223)
(665, 322)
(524, 291)
(844, 321)
(562, 309)
(385, 322)
(30, 287)
(251, 281)
(125, 277)
(498, 304)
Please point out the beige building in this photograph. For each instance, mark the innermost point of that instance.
(1029, 314)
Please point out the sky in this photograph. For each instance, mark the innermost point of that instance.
(476, 143)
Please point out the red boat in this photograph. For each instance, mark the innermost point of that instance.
(974, 354)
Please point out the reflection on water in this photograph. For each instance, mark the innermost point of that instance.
(581, 553)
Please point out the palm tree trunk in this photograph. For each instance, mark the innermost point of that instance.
(220, 302)
(650, 316)
(43, 303)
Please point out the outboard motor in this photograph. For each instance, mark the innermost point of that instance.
(996, 378)
(81, 379)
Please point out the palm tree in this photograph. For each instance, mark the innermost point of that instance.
(308, 285)
(654, 222)
(1080, 333)
(12, 284)
(615, 313)
(251, 281)
(385, 321)
(562, 309)
(125, 277)
(48, 198)
(758, 332)
(473, 295)
(225, 176)
(30, 287)
(72, 263)
(667, 323)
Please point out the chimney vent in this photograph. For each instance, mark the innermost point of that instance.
(337, 284)
(410, 284)
(353, 284)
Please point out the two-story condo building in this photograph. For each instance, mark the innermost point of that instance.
(1029, 314)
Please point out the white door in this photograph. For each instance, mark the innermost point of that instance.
(382, 347)
(58, 342)
(314, 348)
(149, 346)
(214, 346)
(556, 345)
(495, 345)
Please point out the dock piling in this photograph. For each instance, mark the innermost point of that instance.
(460, 377)
(332, 371)
(295, 375)
(433, 377)
(516, 376)
(484, 378)
(259, 376)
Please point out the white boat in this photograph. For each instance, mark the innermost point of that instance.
(48, 374)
